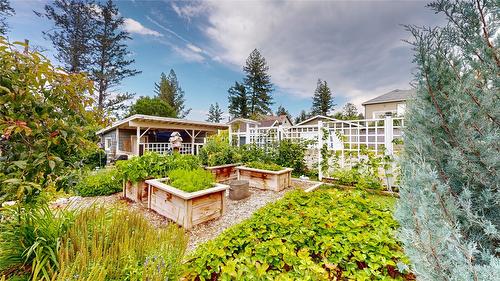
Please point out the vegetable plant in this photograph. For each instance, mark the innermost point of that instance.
(102, 182)
(217, 151)
(264, 166)
(191, 180)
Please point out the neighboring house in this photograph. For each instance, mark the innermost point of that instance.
(153, 133)
(393, 102)
(315, 119)
(240, 127)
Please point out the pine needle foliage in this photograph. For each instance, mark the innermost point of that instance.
(449, 207)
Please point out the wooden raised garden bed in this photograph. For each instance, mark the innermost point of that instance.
(135, 191)
(224, 172)
(265, 179)
(186, 208)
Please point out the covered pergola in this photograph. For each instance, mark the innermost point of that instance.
(140, 133)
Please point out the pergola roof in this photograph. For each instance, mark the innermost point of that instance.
(157, 122)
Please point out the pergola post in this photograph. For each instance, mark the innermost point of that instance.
(117, 139)
(192, 142)
(138, 134)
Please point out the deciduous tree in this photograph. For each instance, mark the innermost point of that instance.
(449, 205)
(152, 106)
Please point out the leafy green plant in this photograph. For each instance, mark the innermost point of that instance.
(30, 240)
(324, 235)
(252, 152)
(154, 165)
(217, 151)
(264, 166)
(101, 182)
(292, 154)
(191, 180)
(119, 244)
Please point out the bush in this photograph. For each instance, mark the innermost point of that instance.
(324, 235)
(119, 244)
(292, 154)
(217, 151)
(96, 159)
(101, 182)
(252, 152)
(154, 165)
(191, 180)
(30, 240)
(264, 166)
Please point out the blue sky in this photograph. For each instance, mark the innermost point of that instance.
(355, 46)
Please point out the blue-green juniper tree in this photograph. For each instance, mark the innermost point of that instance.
(449, 209)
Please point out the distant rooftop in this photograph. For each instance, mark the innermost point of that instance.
(392, 96)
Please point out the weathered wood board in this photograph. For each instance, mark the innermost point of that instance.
(136, 191)
(264, 179)
(186, 209)
(224, 172)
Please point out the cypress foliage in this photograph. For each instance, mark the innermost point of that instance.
(5, 11)
(282, 111)
(238, 101)
(169, 90)
(215, 113)
(258, 84)
(301, 117)
(322, 99)
(449, 207)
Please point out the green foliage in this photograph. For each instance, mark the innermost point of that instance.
(95, 159)
(191, 180)
(217, 151)
(292, 154)
(152, 106)
(252, 152)
(215, 113)
(120, 244)
(101, 182)
(258, 84)
(306, 236)
(45, 123)
(263, 166)
(5, 11)
(322, 99)
(238, 101)
(169, 90)
(449, 207)
(154, 165)
(30, 240)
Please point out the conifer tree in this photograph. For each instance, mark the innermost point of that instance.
(73, 33)
(322, 99)
(169, 90)
(215, 113)
(238, 101)
(282, 111)
(302, 116)
(5, 11)
(450, 200)
(110, 64)
(258, 84)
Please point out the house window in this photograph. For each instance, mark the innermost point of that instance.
(107, 144)
(401, 109)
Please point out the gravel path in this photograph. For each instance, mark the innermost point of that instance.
(236, 211)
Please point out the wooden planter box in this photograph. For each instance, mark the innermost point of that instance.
(135, 191)
(264, 179)
(186, 208)
(224, 172)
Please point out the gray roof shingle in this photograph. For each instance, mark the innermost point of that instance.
(394, 95)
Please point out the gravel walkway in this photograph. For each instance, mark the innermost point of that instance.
(236, 211)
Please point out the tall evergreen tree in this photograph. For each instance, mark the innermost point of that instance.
(258, 84)
(74, 32)
(282, 111)
(450, 200)
(302, 116)
(322, 99)
(169, 90)
(5, 11)
(238, 101)
(215, 113)
(110, 65)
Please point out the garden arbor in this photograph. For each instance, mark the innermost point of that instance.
(141, 133)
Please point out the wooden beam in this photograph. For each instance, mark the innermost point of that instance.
(138, 140)
(157, 125)
(117, 139)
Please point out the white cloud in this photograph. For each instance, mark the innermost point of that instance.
(133, 26)
(194, 48)
(189, 54)
(355, 46)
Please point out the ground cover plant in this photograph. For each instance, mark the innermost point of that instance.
(264, 166)
(101, 182)
(155, 165)
(191, 180)
(321, 235)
